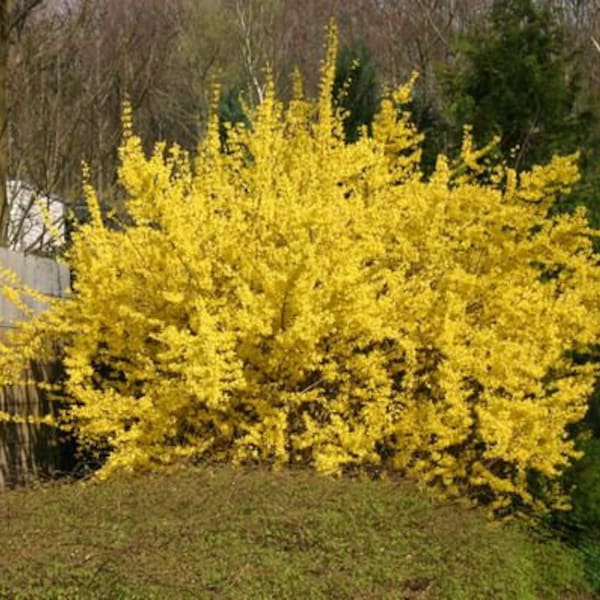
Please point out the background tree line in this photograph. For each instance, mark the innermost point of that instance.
(525, 70)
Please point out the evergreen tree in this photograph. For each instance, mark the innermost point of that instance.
(355, 89)
(230, 110)
(518, 80)
(428, 115)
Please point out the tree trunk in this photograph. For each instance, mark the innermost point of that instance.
(4, 46)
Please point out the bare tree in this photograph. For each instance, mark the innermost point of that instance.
(13, 15)
(72, 70)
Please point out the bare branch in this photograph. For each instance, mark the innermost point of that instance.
(20, 13)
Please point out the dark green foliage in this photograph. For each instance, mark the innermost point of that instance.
(517, 79)
(230, 111)
(355, 89)
(587, 191)
(589, 549)
(429, 118)
(586, 496)
(580, 527)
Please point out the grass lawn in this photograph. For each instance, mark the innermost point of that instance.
(227, 533)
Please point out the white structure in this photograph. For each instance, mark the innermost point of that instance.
(38, 272)
(37, 221)
(28, 450)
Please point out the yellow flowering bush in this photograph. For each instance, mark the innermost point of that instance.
(298, 300)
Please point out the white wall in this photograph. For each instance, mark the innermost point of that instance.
(37, 221)
(42, 274)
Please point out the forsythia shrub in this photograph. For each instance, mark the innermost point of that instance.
(298, 300)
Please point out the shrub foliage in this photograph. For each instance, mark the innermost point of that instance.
(301, 300)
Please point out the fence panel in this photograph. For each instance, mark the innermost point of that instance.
(27, 450)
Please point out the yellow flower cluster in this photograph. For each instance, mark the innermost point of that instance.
(299, 300)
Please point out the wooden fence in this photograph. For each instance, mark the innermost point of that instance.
(26, 450)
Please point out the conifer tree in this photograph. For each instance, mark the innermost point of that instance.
(518, 79)
(355, 89)
(230, 111)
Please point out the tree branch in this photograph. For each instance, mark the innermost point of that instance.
(18, 17)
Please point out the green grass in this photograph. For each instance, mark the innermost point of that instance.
(225, 533)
